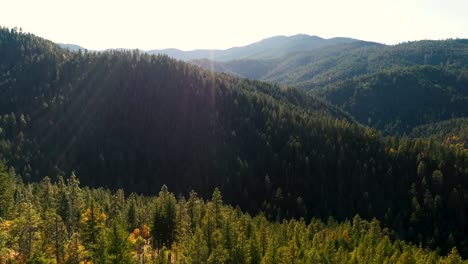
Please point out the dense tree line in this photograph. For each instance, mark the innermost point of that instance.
(134, 121)
(61, 222)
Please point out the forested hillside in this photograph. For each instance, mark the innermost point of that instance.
(122, 119)
(313, 68)
(391, 88)
(331, 63)
(65, 223)
(403, 98)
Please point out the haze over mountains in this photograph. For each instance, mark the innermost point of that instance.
(273, 47)
(326, 140)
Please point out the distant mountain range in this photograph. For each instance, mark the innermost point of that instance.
(71, 47)
(268, 48)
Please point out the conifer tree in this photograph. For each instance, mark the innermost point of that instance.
(118, 246)
(6, 191)
(164, 223)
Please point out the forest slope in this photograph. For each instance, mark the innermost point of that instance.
(403, 98)
(427, 79)
(332, 63)
(125, 119)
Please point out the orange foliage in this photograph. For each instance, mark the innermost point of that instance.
(346, 236)
(136, 232)
(146, 232)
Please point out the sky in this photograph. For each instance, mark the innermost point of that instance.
(221, 24)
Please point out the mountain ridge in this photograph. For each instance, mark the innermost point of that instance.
(278, 45)
(265, 48)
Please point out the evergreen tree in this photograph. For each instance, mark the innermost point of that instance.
(119, 248)
(164, 223)
(217, 201)
(63, 204)
(6, 191)
(26, 230)
(198, 249)
(132, 213)
(193, 208)
(75, 201)
(92, 225)
(55, 235)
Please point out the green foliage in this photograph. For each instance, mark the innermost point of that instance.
(4, 238)
(26, 231)
(391, 88)
(93, 224)
(6, 191)
(237, 238)
(118, 245)
(333, 63)
(401, 99)
(57, 236)
(198, 249)
(164, 224)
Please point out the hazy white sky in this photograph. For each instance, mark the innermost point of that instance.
(192, 24)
